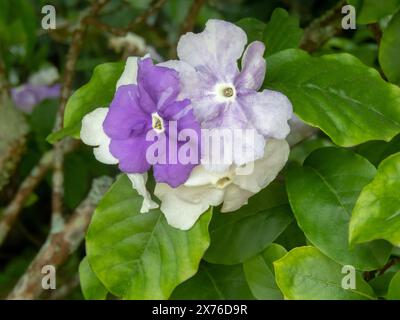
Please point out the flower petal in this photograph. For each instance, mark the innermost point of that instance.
(200, 176)
(158, 86)
(253, 67)
(234, 137)
(129, 75)
(182, 206)
(269, 112)
(266, 169)
(216, 49)
(299, 130)
(139, 183)
(92, 134)
(172, 174)
(131, 154)
(235, 198)
(125, 117)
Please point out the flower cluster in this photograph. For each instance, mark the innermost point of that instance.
(164, 117)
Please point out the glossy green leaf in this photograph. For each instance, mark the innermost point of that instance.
(246, 232)
(380, 284)
(370, 11)
(253, 27)
(139, 256)
(377, 151)
(394, 288)
(306, 273)
(91, 286)
(300, 152)
(292, 237)
(282, 32)
(322, 195)
(98, 92)
(376, 214)
(259, 272)
(389, 50)
(349, 101)
(215, 282)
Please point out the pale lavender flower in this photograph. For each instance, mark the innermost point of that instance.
(222, 95)
(27, 96)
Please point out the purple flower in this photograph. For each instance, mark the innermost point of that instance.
(224, 97)
(151, 107)
(27, 96)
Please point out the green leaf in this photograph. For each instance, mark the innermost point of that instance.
(322, 194)
(301, 151)
(139, 256)
(292, 237)
(282, 32)
(394, 288)
(259, 272)
(349, 101)
(92, 288)
(389, 50)
(253, 27)
(66, 132)
(249, 230)
(376, 214)
(307, 274)
(370, 11)
(377, 151)
(380, 283)
(98, 92)
(215, 282)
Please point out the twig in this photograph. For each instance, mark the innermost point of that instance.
(376, 30)
(390, 264)
(323, 28)
(65, 289)
(11, 212)
(118, 31)
(60, 245)
(69, 71)
(191, 17)
(4, 85)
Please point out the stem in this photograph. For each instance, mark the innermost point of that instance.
(323, 28)
(69, 72)
(120, 32)
(192, 15)
(60, 245)
(12, 211)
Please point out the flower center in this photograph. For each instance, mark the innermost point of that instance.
(223, 182)
(225, 92)
(157, 122)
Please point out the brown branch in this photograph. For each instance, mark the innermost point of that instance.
(323, 28)
(390, 264)
(69, 72)
(65, 289)
(377, 32)
(120, 32)
(11, 212)
(59, 245)
(4, 85)
(192, 15)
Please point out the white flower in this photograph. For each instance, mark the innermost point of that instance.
(45, 76)
(182, 206)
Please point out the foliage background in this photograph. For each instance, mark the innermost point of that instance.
(259, 234)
